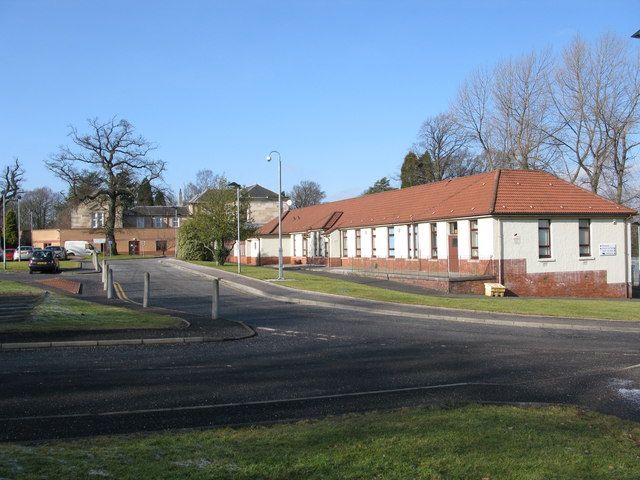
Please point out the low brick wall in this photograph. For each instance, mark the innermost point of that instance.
(559, 284)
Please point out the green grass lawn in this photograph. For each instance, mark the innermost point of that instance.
(471, 442)
(558, 307)
(59, 312)
(23, 266)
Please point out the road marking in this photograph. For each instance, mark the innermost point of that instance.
(254, 403)
(631, 367)
(120, 292)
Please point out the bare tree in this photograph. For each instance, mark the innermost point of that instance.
(12, 178)
(105, 166)
(596, 97)
(205, 179)
(446, 144)
(41, 206)
(306, 193)
(522, 111)
(473, 109)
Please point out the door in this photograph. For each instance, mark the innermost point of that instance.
(134, 247)
(453, 254)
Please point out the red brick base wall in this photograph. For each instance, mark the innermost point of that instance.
(465, 267)
(259, 260)
(559, 284)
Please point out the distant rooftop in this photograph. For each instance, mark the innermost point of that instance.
(256, 192)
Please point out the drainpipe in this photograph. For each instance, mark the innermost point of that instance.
(627, 259)
(500, 259)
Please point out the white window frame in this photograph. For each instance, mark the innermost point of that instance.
(97, 219)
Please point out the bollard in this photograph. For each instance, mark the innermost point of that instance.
(215, 299)
(109, 283)
(145, 293)
(94, 259)
(104, 274)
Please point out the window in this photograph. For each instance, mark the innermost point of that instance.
(584, 236)
(412, 241)
(453, 228)
(358, 243)
(544, 238)
(473, 225)
(344, 243)
(158, 222)
(139, 222)
(373, 242)
(305, 245)
(175, 222)
(97, 220)
(434, 240)
(161, 246)
(391, 242)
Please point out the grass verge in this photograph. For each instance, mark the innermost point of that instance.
(23, 266)
(58, 312)
(471, 442)
(558, 307)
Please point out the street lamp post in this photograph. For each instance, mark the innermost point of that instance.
(19, 231)
(4, 230)
(237, 187)
(280, 274)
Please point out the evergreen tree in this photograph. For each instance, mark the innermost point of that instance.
(145, 195)
(416, 170)
(382, 185)
(12, 229)
(160, 198)
(409, 171)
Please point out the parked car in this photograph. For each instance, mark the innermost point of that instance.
(43, 261)
(24, 252)
(10, 253)
(78, 248)
(58, 252)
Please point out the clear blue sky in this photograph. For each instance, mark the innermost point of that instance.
(338, 87)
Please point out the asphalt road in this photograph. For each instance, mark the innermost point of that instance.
(304, 362)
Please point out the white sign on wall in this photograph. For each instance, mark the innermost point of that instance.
(607, 249)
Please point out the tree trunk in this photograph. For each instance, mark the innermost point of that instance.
(110, 227)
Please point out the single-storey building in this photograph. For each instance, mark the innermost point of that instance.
(531, 231)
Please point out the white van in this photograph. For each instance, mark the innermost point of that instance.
(78, 248)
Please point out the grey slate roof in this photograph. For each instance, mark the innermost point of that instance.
(158, 211)
(256, 192)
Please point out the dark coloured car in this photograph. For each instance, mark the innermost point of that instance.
(43, 261)
(58, 252)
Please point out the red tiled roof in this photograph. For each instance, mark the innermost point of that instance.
(501, 192)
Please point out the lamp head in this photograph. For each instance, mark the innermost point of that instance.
(269, 158)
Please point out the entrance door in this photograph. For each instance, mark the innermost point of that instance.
(453, 254)
(134, 247)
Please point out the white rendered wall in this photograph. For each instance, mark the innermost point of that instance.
(351, 243)
(335, 250)
(486, 241)
(464, 239)
(268, 246)
(381, 242)
(401, 241)
(521, 242)
(365, 242)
